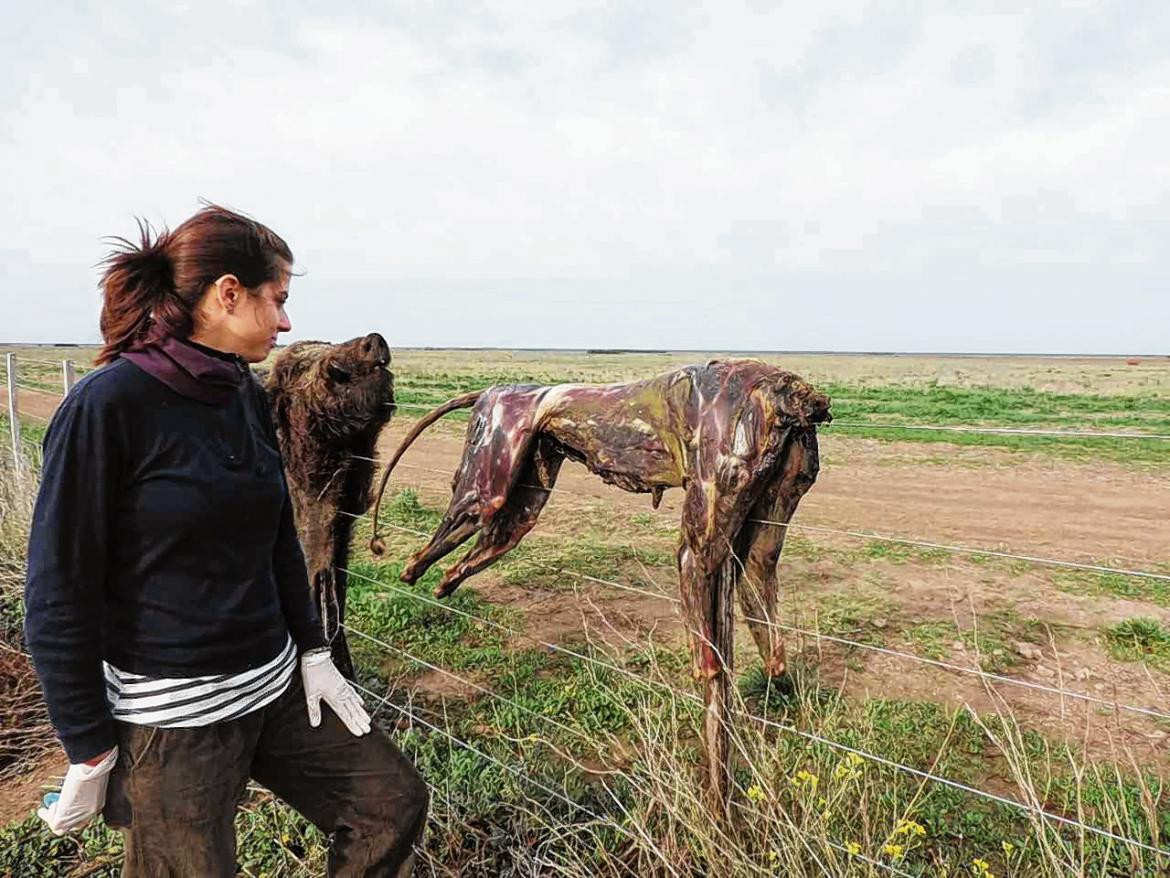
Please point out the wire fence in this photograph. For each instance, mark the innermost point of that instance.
(39, 361)
(855, 534)
(384, 700)
(904, 656)
(1030, 808)
(854, 644)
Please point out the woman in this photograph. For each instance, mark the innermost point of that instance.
(167, 605)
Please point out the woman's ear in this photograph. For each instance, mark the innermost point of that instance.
(229, 292)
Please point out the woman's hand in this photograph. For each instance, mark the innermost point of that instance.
(82, 795)
(323, 682)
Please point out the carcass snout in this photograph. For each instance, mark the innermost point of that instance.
(803, 406)
(817, 409)
(373, 348)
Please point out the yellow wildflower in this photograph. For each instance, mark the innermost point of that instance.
(853, 847)
(1008, 848)
(910, 827)
(806, 780)
(755, 793)
(826, 811)
(894, 851)
(849, 768)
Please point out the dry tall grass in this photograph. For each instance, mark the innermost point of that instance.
(25, 732)
(804, 809)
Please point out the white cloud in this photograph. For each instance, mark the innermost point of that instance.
(634, 153)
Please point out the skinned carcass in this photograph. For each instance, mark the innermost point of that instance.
(329, 403)
(739, 436)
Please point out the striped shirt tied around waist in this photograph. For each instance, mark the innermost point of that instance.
(178, 702)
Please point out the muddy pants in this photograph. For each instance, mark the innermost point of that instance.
(174, 792)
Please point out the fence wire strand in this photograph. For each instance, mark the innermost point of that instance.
(968, 550)
(1000, 431)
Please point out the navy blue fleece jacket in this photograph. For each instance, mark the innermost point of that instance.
(162, 541)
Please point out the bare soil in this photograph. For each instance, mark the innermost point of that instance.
(37, 405)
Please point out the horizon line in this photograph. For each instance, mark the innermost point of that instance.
(603, 351)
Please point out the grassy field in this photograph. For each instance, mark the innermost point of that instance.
(555, 720)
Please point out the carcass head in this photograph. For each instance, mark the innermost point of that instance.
(333, 390)
(798, 402)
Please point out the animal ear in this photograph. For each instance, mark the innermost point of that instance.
(337, 372)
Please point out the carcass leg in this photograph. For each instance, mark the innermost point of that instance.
(464, 516)
(460, 522)
(717, 691)
(707, 601)
(758, 589)
(329, 594)
(497, 445)
(515, 519)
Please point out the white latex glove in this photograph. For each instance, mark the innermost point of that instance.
(323, 682)
(82, 796)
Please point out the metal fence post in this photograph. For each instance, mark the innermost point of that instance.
(13, 414)
(68, 376)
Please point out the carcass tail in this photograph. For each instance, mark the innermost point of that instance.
(377, 544)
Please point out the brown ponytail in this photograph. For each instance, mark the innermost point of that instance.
(150, 288)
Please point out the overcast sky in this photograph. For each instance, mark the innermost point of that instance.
(783, 176)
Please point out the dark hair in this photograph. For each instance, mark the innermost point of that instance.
(150, 288)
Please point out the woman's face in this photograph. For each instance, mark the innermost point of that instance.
(258, 317)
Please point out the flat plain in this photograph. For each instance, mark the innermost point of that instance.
(864, 599)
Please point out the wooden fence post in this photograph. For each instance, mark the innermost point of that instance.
(13, 412)
(68, 376)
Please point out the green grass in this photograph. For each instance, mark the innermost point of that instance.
(933, 640)
(910, 405)
(1141, 639)
(595, 724)
(32, 434)
(897, 553)
(272, 840)
(552, 562)
(992, 639)
(1001, 407)
(1136, 588)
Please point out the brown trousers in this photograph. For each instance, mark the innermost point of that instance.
(174, 792)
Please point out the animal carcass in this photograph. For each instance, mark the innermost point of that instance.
(739, 436)
(329, 403)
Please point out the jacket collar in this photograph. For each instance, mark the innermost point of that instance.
(191, 369)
